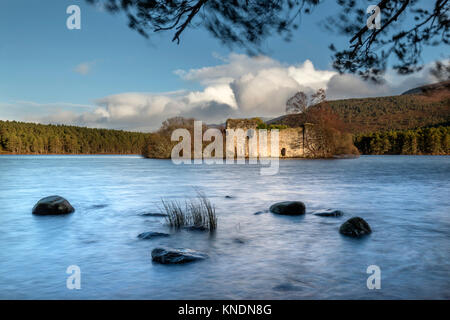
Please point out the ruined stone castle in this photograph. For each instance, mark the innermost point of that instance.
(291, 141)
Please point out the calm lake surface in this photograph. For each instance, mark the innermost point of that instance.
(405, 199)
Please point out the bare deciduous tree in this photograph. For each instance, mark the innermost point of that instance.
(318, 97)
(297, 104)
(325, 133)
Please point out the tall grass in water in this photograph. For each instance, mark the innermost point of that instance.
(176, 217)
(199, 213)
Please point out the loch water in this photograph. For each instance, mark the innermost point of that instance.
(405, 199)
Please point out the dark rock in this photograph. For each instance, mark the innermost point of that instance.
(153, 214)
(287, 287)
(291, 208)
(196, 228)
(329, 213)
(98, 206)
(53, 205)
(151, 235)
(229, 197)
(258, 213)
(176, 256)
(239, 240)
(355, 227)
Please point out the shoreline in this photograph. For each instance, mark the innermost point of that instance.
(137, 154)
(69, 154)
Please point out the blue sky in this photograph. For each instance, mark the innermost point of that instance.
(107, 75)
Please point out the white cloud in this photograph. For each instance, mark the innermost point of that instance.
(234, 67)
(241, 86)
(221, 93)
(350, 86)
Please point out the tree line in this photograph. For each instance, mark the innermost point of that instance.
(31, 138)
(158, 144)
(433, 141)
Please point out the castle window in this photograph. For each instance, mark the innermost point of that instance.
(283, 152)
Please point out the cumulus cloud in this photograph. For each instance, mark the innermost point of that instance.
(240, 86)
(235, 66)
(344, 86)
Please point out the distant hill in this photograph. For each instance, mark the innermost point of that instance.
(430, 88)
(419, 107)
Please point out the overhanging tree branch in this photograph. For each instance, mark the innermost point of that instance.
(246, 23)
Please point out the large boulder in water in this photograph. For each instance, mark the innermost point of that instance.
(53, 205)
(290, 208)
(176, 256)
(355, 227)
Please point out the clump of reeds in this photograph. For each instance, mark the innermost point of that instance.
(199, 213)
(175, 215)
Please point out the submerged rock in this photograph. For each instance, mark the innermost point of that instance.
(355, 227)
(229, 197)
(176, 256)
(151, 235)
(239, 240)
(153, 214)
(53, 205)
(329, 213)
(287, 287)
(98, 206)
(196, 228)
(291, 208)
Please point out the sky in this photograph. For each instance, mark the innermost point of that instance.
(107, 75)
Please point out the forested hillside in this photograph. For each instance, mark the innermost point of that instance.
(415, 122)
(402, 112)
(435, 141)
(392, 113)
(30, 138)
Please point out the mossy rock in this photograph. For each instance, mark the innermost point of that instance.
(355, 227)
(176, 256)
(151, 235)
(53, 205)
(290, 208)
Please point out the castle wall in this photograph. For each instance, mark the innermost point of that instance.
(291, 140)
